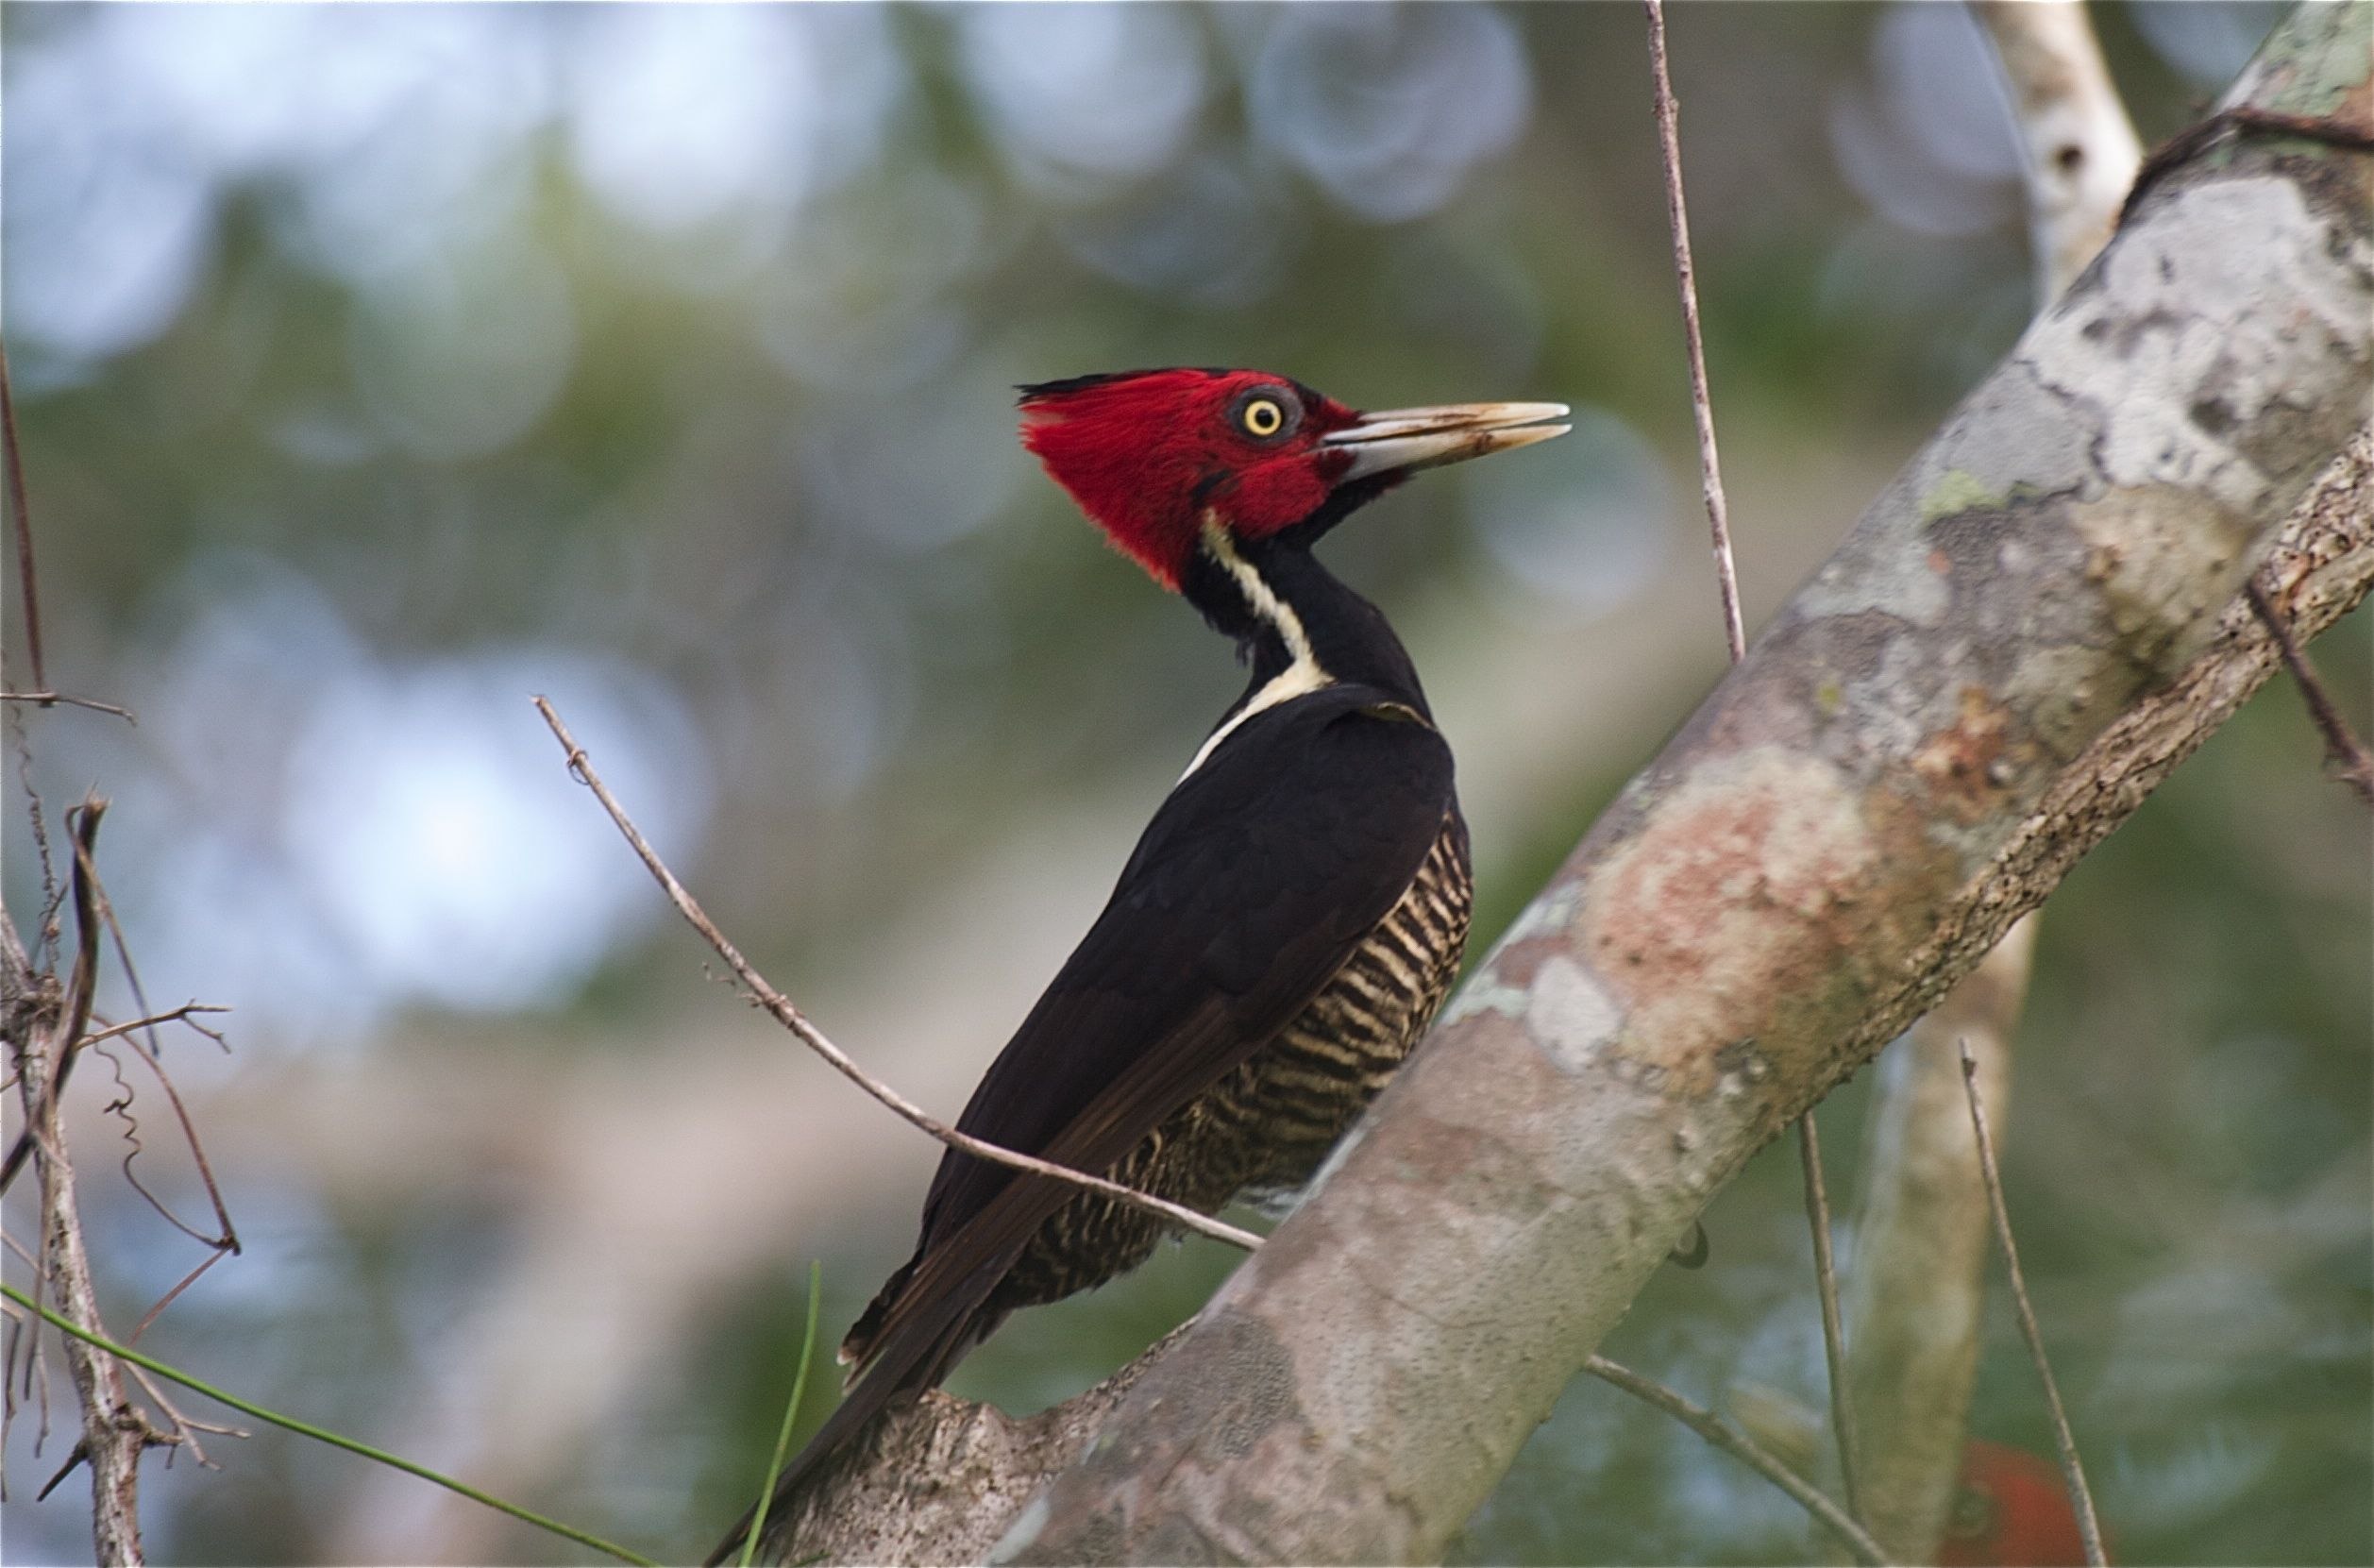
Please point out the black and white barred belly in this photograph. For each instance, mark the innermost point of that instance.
(1261, 1132)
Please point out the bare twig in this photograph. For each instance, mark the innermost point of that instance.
(183, 1428)
(173, 1295)
(172, 1015)
(2081, 1497)
(2344, 753)
(1734, 639)
(114, 1431)
(1710, 469)
(2240, 121)
(1817, 1212)
(227, 1240)
(54, 698)
(791, 1018)
(226, 1237)
(1726, 1435)
(23, 526)
(36, 814)
(80, 987)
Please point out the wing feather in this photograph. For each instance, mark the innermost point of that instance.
(1249, 889)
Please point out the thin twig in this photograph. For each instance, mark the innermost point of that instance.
(2081, 1497)
(153, 1052)
(1726, 1435)
(24, 524)
(172, 1015)
(225, 1239)
(791, 1018)
(2344, 753)
(1817, 1208)
(55, 699)
(1734, 639)
(1701, 406)
(81, 984)
(37, 816)
(183, 1428)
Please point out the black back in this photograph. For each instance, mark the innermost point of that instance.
(1262, 872)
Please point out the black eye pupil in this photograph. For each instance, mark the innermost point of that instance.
(1262, 419)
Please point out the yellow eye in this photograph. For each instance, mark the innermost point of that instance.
(1263, 418)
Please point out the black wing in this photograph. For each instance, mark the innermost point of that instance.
(1263, 871)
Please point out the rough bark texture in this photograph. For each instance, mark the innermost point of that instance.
(1917, 1292)
(2028, 629)
(40, 1024)
(1941, 720)
(937, 1480)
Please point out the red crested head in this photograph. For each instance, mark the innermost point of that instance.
(1151, 454)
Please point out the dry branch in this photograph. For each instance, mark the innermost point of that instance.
(1686, 280)
(30, 599)
(2345, 754)
(114, 1431)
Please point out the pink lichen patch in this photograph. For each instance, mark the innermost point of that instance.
(1739, 897)
(1966, 765)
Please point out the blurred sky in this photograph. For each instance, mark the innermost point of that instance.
(380, 367)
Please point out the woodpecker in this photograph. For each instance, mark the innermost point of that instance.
(1289, 921)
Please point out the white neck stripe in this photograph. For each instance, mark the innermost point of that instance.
(1303, 674)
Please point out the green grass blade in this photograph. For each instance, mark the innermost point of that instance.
(174, 1375)
(791, 1412)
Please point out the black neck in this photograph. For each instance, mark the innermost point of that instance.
(1348, 637)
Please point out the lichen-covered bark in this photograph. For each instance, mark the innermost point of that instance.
(938, 1479)
(1917, 1295)
(1993, 669)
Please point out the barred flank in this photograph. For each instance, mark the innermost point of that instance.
(1266, 1128)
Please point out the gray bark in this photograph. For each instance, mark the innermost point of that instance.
(1915, 1299)
(2023, 633)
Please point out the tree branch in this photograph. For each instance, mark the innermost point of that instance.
(1918, 1293)
(114, 1432)
(2082, 151)
(21, 515)
(2021, 636)
(2345, 754)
